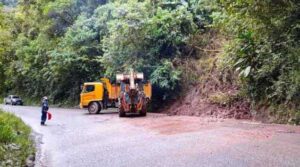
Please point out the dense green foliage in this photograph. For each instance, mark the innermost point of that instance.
(265, 49)
(50, 47)
(15, 142)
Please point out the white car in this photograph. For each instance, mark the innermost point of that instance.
(13, 100)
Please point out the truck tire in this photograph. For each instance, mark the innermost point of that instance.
(122, 113)
(94, 108)
(143, 113)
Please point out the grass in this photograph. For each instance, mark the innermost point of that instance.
(221, 98)
(15, 142)
(283, 114)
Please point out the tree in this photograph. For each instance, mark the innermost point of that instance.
(265, 47)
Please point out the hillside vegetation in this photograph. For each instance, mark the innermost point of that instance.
(15, 142)
(240, 54)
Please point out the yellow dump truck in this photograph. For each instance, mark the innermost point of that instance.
(131, 94)
(99, 95)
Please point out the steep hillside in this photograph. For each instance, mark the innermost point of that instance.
(210, 88)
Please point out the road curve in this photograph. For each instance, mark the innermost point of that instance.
(76, 139)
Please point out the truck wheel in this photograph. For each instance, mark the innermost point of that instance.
(143, 112)
(121, 113)
(94, 108)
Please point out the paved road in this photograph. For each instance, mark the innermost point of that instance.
(76, 139)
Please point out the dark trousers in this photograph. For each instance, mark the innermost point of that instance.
(44, 117)
(105, 101)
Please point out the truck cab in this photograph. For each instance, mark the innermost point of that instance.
(98, 95)
(91, 91)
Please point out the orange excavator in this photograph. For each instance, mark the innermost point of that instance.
(135, 93)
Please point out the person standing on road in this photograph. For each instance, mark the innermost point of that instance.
(45, 108)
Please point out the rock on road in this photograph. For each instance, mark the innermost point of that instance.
(74, 138)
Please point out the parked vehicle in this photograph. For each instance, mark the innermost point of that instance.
(13, 100)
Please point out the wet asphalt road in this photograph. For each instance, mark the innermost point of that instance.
(74, 138)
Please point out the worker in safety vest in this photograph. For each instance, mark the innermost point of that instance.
(45, 108)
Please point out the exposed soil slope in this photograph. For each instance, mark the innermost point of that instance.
(215, 91)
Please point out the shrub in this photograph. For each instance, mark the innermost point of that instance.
(15, 142)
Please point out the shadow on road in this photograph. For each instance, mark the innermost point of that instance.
(102, 113)
(128, 115)
(132, 115)
(110, 112)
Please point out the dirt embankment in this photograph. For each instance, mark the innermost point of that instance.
(209, 100)
(212, 89)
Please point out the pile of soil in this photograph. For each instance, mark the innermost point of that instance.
(195, 103)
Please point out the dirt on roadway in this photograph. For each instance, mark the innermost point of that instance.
(76, 139)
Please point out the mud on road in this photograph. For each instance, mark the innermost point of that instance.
(75, 138)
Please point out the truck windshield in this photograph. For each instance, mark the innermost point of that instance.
(88, 88)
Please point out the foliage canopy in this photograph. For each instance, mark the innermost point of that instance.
(52, 47)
